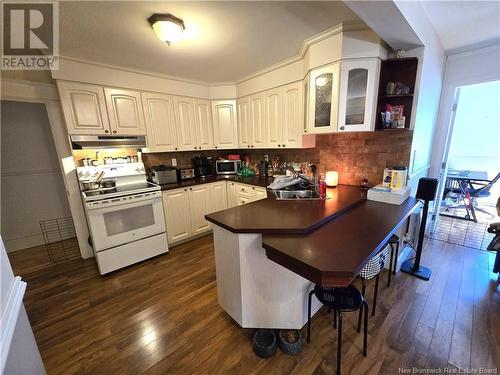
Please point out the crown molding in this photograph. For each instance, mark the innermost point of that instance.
(306, 44)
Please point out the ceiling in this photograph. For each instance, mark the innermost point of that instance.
(463, 25)
(224, 41)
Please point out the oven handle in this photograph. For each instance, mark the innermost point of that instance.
(120, 201)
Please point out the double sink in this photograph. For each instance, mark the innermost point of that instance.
(286, 195)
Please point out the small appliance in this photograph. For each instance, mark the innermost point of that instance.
(203, 166)
(185, 174)
(162, 174)
(226, 167)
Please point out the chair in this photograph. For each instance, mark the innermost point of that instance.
(340, 300)
(393, 262)
(484, 190)
(372, 270)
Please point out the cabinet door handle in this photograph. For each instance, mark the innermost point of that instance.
(342, 128)
(215, 146)
(305, 130)
(191, 189)
(176, 148)
(253, 188)
(185, 189)
(106, 131)
(114, 131)
(279, 145)
(248, 146)
(283, 145)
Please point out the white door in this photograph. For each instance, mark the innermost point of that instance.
(84, 108)
(185, 122)
(225, 124)
(177, 215)
(203, 121)
(231, 194)
(219, 196)
(125, 111)
(323, 99)
(293, 114)
(258, 120)
(200, 205)
(160, 121)
(244, 128)
(274, 117)
(358, 95)
(259, 193)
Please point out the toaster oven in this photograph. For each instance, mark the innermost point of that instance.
(227, 166)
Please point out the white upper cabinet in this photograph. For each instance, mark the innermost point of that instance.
(225, 124)
(273, 118)
(84, 108)
(125, 111)
(258, 121)
(160, 121)
(204, 127)
(358, 92)
(244, 128)
(323, 101)
(185, 122)
(293, 114)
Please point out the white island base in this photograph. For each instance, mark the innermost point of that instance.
(255, 291)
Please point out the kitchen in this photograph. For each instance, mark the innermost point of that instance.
(155, 161)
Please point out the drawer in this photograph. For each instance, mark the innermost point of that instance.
(244, 189)
(242, 199)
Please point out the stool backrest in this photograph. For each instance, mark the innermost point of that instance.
(374, 265)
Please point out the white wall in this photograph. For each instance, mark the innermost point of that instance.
(18, 348)
(32, 185)
(476, 66)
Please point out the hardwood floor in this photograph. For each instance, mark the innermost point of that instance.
(162, 316)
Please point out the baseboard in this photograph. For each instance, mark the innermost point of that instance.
(22, 243)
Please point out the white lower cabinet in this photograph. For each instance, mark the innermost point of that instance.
(185, 209)
(177, 215)
(239, 194)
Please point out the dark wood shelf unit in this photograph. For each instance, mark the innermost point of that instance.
(397, 70)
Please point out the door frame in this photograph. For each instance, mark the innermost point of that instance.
(47, 94)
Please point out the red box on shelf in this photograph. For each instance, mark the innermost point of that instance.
(233, 157)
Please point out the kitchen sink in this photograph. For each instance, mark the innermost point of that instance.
(295, 194)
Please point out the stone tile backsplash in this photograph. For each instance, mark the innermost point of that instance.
(354, 155)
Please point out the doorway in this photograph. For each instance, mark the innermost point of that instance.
(32, 190)
(470, 175)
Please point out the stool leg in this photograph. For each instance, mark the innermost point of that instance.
(339, 344)
(363, 288)
(375, 292)
(390, 266)
(365, 338)
(396, 259)
(334, 319)
(309, 316)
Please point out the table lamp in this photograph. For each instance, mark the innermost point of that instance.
(332, 178)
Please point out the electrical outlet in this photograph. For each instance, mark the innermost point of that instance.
(266, 157)
(174, 162)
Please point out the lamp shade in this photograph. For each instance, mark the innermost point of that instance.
(332, 178)
(167, 27)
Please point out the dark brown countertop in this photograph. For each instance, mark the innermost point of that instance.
(254, 180)
(334, 254)
(295, 216)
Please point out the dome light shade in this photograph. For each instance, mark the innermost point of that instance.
(167, 27)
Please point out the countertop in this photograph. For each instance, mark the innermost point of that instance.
(254, 180)
(334, 254)
(288, 216)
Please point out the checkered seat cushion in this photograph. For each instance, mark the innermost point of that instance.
(374, 265)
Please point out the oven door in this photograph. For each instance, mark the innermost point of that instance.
(123, 220)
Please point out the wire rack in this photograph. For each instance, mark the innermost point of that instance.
(60, 239)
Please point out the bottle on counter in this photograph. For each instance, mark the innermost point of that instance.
(322, 188)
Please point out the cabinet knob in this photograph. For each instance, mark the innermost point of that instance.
(248, 146)
(283, 145)
(252, 146)
(253, 188)
(215, 146)
(305, 130)
(114, 131)
(106, 131)
(176, 148)
(185, 189)
(279, 145)
(342, 128)
(191, 189)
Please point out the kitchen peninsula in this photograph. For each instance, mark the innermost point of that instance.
(268, 253)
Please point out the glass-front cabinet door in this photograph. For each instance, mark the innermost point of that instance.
(323, 99)
(358, 91)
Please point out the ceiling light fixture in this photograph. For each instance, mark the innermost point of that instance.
(167, 27)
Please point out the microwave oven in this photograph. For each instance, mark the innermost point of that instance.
(227, 166)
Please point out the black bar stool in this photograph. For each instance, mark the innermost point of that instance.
(340, 300)
(393, 241)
